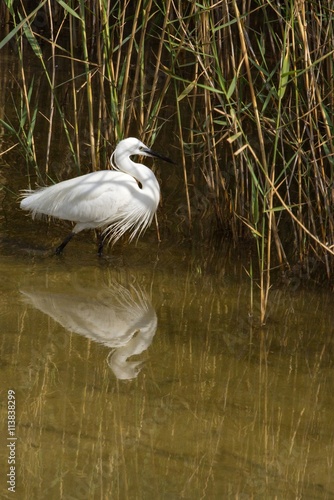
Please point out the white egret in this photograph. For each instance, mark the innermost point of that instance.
(116, 201)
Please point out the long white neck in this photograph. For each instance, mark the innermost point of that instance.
(123, 163)
(142, 174)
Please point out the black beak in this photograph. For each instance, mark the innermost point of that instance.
(150, 152)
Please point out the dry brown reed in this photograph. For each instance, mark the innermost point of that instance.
(251, 86)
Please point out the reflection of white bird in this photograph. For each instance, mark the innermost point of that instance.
(121, 319)
(116, 201)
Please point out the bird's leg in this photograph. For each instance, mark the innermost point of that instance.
(101, 237)
(61, 247)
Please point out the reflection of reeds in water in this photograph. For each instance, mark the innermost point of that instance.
(252, 91)
(218, 408)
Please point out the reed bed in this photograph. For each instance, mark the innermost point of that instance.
(246, 88)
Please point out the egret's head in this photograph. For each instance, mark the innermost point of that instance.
(132, 146)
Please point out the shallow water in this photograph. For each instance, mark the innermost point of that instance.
(140, 376)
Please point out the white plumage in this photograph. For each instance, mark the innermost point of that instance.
(116, 201)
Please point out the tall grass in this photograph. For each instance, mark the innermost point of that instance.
(249, 87)
(265, 84)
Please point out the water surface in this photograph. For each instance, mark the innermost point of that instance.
(141, 376)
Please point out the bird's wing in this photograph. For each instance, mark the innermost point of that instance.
(110, 200)
(79, 199)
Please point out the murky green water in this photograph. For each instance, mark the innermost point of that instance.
(142, 376)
